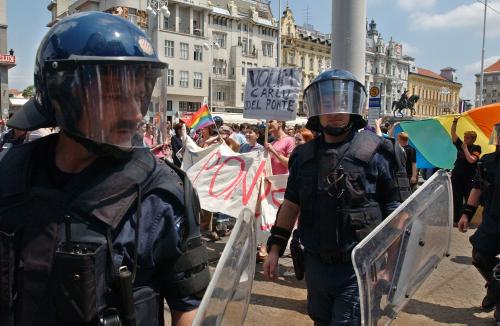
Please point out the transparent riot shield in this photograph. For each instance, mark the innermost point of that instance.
(395, 258)
(227, 297)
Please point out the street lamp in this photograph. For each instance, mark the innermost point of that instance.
(210, 46)
(445, 106)
(154, 8)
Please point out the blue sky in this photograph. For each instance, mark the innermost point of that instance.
(437, 33)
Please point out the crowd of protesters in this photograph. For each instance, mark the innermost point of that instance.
(165, 141)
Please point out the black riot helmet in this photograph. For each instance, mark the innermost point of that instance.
(335, 91)
(94, 77)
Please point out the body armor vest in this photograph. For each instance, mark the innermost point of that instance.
(339, 177)
(36, 260)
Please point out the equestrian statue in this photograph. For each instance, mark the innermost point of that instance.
(405, 103)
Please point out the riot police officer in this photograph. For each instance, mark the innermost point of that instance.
(486, 240)
(92, 230)
(342, 184)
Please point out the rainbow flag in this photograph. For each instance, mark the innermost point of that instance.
(432, 140)
(202, 118)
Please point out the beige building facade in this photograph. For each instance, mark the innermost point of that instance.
(439, 93)
(305, 48)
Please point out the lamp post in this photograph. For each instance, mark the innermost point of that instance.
(481, 82)
(209, 46)
(278, 62)
(445, 105)
(154, 9)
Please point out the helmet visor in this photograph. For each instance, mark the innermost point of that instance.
(334, 96)
(495, 134)
(104, 103)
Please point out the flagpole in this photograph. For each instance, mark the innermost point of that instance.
(278, 63)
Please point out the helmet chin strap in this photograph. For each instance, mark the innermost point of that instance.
(101, 150)
(337, 131)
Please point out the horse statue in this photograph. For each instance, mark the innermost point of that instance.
(400, 106)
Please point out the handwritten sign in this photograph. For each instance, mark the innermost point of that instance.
(272, 93)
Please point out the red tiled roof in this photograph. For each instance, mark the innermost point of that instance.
(494, 67)
(428, 73)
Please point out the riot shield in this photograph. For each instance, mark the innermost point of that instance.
(395, 258)
(227, 297)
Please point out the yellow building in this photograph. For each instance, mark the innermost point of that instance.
(439, 93)
(304, 47)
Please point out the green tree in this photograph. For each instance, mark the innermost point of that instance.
(29, 91)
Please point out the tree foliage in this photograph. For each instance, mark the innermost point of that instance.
(29, 91)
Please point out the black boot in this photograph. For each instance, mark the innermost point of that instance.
(496, 314)
(488, 302)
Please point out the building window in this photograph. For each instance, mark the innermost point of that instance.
(184, 51)
(169, 24)
(169, 105)
(219, 67)
(311, 64)
(220, 38)
(243, 68)
(170, 77)
(169, 48)
(189, 106)
(197, 80)
(220, 95)
(132, 15)
(198, 53)
(303, 62)
(184, 81)
(267, 49)
(220, 21)
(244, 44)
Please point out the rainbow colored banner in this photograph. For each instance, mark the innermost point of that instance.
(432, 137)
(201, 118)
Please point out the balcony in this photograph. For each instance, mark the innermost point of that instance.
(222, 77)
(252, 54)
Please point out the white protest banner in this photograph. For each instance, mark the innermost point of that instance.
(192, 153)
(227, 181)
(272, 195)
(272, 93)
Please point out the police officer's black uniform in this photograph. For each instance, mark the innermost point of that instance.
(108, 244)
(343, 190)
(486, 240)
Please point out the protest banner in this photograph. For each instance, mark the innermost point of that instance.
(272, 93)
(227, 181)
(272, 195)
(192, 153)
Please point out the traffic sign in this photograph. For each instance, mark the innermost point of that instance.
(374, 91)
(374, 102)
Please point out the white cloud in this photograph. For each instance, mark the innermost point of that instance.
(475, 67)
(464, 16)
(413, 4)
(468, 79)
(409, 49)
